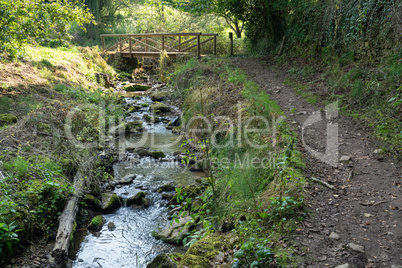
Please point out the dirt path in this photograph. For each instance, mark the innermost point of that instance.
(364, 208)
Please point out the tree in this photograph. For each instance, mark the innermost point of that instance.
(233, 11)
(23, 21)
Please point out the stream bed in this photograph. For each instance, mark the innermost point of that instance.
(130, 243)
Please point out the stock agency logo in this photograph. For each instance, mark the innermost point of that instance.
(237, 132)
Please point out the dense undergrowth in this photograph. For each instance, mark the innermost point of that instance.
(254, 166)
(37, 158)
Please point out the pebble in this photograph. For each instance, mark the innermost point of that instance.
(377, 151)
(396, 266)
(346, 265)
(355, 247)
(344, 158)
(334, 236)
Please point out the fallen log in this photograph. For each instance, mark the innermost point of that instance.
(59, 255)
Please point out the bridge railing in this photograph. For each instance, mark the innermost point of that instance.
(152, 44)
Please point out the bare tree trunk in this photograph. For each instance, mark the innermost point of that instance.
(66, 224)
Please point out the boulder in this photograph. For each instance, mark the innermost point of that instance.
(134, 126)
(159, 107)
(159, 96)
(136, 87)
(92, 202)
(167, 187)
(162, 261)
(158, 154)
(127, 179)
(97, 223)
(111, 226)
(132, 109)
(174, 233)
(136, 199)
(142, 152)
(145, 202)
(204, 252)
(110, 202)
(7, 119)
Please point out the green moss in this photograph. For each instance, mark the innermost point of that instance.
(159, 96)
(132, 109)
(202, 252)
(137, 199)
(136, 87)
(92, 202)
(158, 154)
(110, 202)
(145, 105)
(147, 118)
(134, 126)
(7, 119)
(97, 223)
(160, 108)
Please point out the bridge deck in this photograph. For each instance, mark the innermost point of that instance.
(152, 45)
(149, 54)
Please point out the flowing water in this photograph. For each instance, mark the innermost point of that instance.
(130, 244)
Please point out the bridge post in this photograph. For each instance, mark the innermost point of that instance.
(103, 43)
(199, 45)
(231, 43)
(131, 49)
(120, 47)
(179, 43)
(146, 42)
(163, 43)
(214, 44)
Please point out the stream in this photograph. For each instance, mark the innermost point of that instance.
(130, 244)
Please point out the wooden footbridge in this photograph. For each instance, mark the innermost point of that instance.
(153, 44)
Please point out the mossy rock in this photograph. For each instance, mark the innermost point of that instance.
(162, 261)
(43, 127)
(92, 202)
(132, 109)
(136, 87)
(145, 105)
(97, 223)
(176, 232)
(142, 152)
(110, 202)
(136, 199)
(159, 96)
(145, 202)
(147, 118)
(125, 76)
(159, 107)
(201, 253)
(158, 154)
(133, 127)
(167, 187)
(7, 119)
